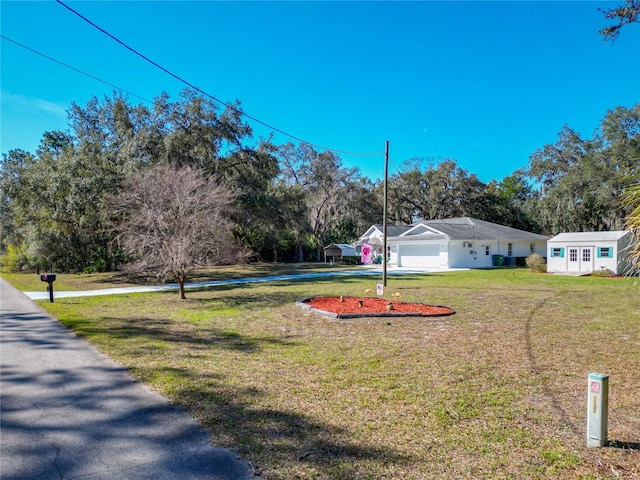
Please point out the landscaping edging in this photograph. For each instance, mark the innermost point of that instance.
(443, 310)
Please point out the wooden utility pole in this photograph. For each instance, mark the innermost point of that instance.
(384, 215)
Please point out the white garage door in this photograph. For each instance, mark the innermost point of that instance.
(426, 255)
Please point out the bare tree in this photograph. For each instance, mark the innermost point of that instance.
(172, 221)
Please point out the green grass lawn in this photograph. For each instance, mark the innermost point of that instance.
(497, 390)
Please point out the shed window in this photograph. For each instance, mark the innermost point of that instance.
(605, 252)
(573, 254)
(557, 252)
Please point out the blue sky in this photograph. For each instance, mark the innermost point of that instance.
(485, 83)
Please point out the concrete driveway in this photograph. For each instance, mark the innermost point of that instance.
(44, 295)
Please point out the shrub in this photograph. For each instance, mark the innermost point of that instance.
(351, 260)
(605, 272)
(536, 263)
(15, 260)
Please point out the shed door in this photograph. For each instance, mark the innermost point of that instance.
(425, 255)
(586, 259)
(574, 261)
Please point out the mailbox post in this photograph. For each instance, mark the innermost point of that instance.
(49, 278)
(597, 410)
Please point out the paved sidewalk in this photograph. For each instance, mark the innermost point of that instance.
(68, 412)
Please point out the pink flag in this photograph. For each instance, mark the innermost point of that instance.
(365, 256)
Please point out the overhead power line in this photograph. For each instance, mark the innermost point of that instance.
(199, 90)
(74, 68)
(93, 77)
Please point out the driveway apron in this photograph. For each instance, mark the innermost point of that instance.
(69, 412)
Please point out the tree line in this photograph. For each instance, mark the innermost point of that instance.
(62, 205)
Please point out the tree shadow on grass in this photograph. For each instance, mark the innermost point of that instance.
(276, 440)
(251, 296)
(154, 330)
(251, 301)
(67, 413)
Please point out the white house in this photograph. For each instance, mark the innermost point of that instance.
(585, 252)
(456, 243)
(375, 238)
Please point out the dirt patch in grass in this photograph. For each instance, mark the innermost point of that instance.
(355, 307)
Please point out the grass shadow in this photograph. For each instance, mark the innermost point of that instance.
(153, 330)
(623, 445)
(276, 440)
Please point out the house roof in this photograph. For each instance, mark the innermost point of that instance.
(467, 228)
(420, 237)
(392, 230)
(342, 246)
(589, 236)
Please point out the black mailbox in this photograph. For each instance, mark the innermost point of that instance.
(48, 277)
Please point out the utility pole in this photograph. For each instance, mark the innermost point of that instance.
(384, 215)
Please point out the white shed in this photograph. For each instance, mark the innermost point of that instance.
(585, 252)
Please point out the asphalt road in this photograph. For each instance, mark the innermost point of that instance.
(69, 412)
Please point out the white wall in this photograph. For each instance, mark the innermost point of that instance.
(394, 255)
(565, 263)
(460, 255)
(457, 254)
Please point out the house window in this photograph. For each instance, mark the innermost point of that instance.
(605, 252)
(509, 249)
(573, 254)
(532, 248)
(487, 250)
(557, 252)
(586, 255)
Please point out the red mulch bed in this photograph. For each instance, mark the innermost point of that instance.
(372, 307)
